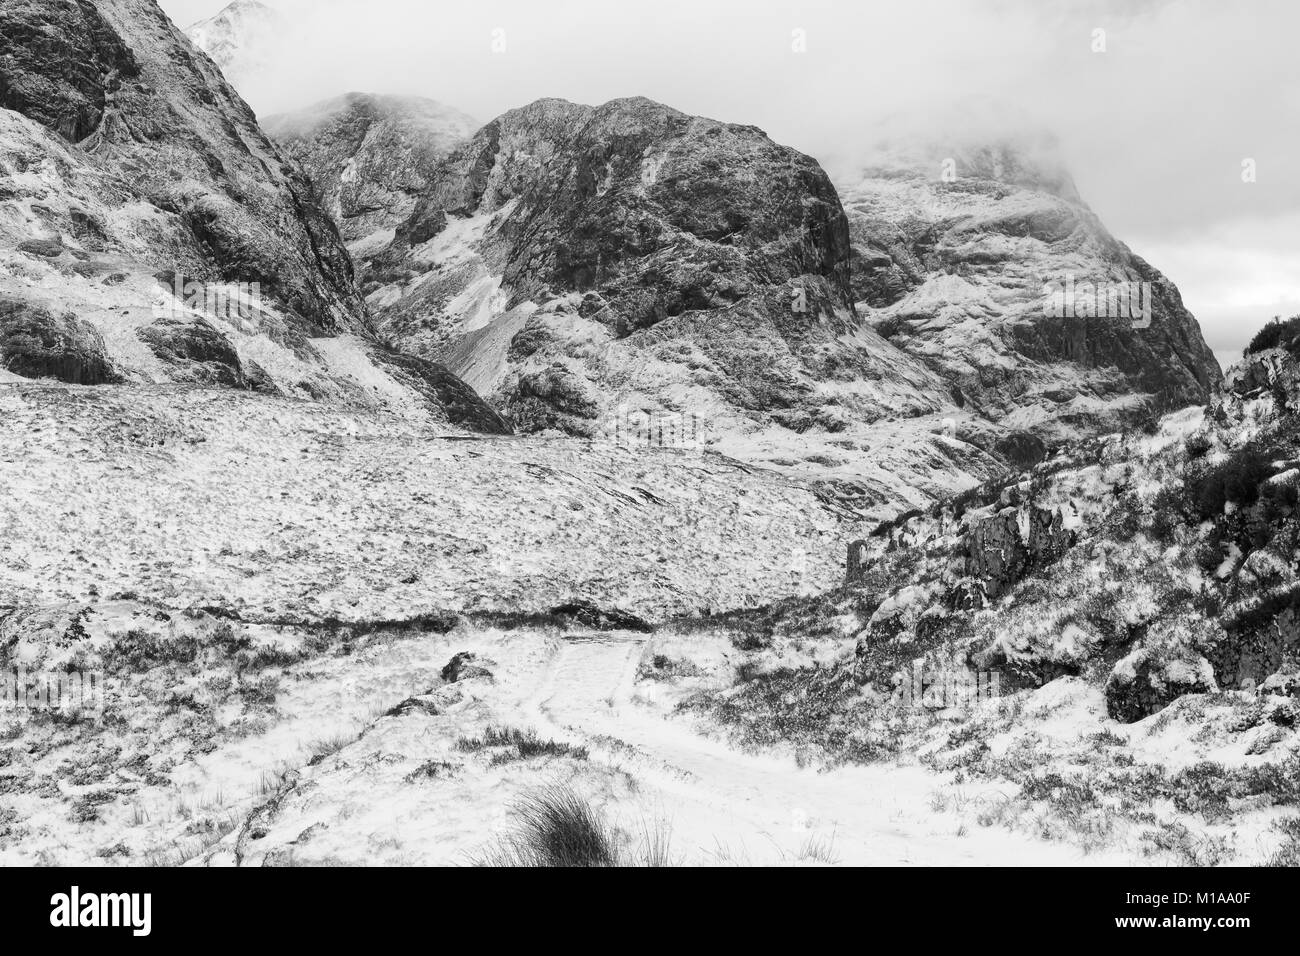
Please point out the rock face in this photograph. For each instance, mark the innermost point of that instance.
(138, 193)
(145, 106)
(370, 158)
(953, 259)
(197, 347)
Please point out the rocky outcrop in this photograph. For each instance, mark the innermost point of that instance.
(37, 343)
(442, 390)
(464, 666)
(201, 352)
(1002, 549)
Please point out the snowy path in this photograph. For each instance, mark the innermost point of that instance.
(728, 806)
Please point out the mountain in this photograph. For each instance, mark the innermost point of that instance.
(152, 233)
(579, 265)
(954, 270)
(370, 157)
(240, 39)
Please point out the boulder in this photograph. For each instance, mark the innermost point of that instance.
(464, 667)
(1150, 679)
(197, 349)
(36, 343)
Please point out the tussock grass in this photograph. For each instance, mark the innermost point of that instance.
(555, 827)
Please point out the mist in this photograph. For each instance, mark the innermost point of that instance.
(1156, 105)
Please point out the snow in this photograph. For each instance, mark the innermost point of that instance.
(644, 768)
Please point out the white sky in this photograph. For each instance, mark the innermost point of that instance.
(1154, 129)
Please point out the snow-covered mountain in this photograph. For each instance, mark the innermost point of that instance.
(241, 39)
(574, 262)
(953, 249)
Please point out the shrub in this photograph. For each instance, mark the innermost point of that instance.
(1277, 334)
(889, 327)
(1198, 446)
(523, 744)
(1237, 480)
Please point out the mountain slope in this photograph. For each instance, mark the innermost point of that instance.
(129, 168)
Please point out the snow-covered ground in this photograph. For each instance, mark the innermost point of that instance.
(645, 769)
(277, 506)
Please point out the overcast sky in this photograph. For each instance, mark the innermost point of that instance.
(1155, 129)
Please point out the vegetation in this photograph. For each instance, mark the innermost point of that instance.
(1279, 333)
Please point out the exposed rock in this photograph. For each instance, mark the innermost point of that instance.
(957, 268)
(196, 347)
(1000, 550)
(61, 63)
(47, 248)
(1147, 681)
(463, 667)
(1022, 450)
(443, 390)
(36, 343)
(116, 77)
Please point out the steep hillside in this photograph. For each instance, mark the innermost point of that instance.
(150, 232)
